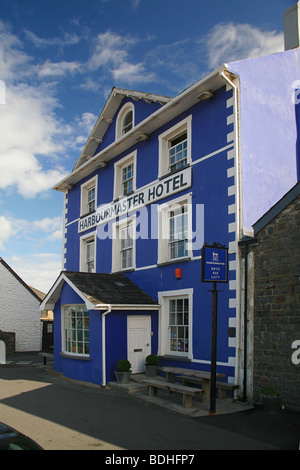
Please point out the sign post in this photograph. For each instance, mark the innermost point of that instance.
(215, 270)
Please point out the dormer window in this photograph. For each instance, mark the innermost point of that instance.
(125, 121)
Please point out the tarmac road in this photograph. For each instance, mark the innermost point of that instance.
(64, 415)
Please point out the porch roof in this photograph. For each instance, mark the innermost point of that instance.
(100, 290)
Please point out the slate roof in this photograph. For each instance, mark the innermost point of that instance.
(109, 288)
(100, 288)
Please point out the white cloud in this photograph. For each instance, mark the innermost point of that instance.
(109, 48)
(30, 138)
(22, 229)
(39, 270)
(50, 226)
(66, 40)
(6, 231)
(12, 58)
(227, 42)
(132, 73)
(111, 53)
(58, 69)
(85, 125)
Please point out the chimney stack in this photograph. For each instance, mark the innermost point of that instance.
(292, 27)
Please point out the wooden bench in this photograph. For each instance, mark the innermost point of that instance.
(187, 392)
(46, 356)
(223, 388)
(173, 372)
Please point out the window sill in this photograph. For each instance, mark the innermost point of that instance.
(174, 261)
(171, 173)
(169, 357)
(77, 357)
(82, 216)
(127, 270)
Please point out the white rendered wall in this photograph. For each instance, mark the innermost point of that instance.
(19, 312)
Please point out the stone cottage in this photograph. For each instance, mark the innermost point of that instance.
(276, 331)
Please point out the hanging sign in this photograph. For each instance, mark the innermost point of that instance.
(214, 263)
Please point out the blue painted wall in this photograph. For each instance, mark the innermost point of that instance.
(91, 370)
(269, 167)
(209, 192)
(76, 368)
(116, 338)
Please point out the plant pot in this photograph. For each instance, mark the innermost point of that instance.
(123, 377)
(271, 404)
(150, 370)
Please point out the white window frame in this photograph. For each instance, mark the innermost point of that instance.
(67, 330)
(164, 211)
(165, 139)
(85, 188)
(118, 227)
(164, 328)
(84, 240)
(128, 107)
(118, 173)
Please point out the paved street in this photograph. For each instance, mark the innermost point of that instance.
(63, 415)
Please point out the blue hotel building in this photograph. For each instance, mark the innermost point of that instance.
(158, 178)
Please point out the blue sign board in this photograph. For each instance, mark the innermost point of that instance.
(214, 264)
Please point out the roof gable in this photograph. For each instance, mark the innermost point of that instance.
(172, 108)
(277, 208)
(12, 272)
(107, 117)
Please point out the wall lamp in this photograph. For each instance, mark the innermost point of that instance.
(206, 96)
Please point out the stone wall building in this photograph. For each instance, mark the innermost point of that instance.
(277, 299)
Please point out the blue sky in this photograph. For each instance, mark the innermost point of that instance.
(59, 61)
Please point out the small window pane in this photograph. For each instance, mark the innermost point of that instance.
(178, 152)
(127, 122)
(76, 330)
(178, 325)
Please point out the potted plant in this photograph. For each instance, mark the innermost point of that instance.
(123, 371)
(151, 365)
(271, 399)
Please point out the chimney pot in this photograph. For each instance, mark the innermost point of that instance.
(292, 27)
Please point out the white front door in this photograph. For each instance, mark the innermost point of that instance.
(138, 341)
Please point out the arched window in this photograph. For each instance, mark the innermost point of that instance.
(125, 121)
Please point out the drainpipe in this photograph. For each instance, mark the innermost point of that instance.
(106, 312)
(245, 323)
(245, 243)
